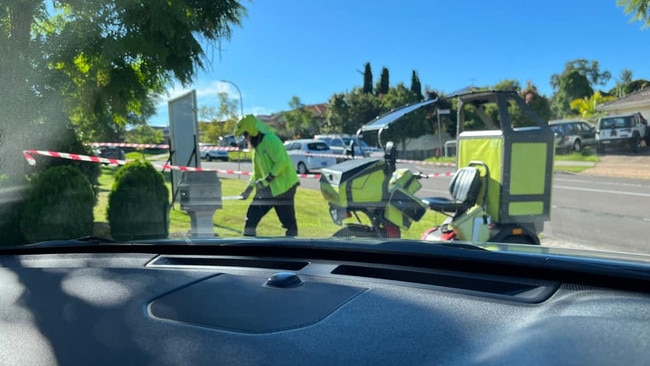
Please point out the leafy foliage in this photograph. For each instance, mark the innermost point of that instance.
(138, 205)
(144, 134)
(586, 107)
(367, 79)
(411, 125)
(299, 120)
(59, 206)
(640, 10)
(572, 86)
(219, 121)
(383, 84)
(416, 86)
(537, 102)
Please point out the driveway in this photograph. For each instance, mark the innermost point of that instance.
(623, 166)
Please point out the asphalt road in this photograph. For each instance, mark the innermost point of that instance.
(598, 213)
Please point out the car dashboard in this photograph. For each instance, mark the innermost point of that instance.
(267, 306)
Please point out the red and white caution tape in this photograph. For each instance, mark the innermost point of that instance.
(159, 146)
(126, 144)
(228, 148)
(54, 154)
(417, 162)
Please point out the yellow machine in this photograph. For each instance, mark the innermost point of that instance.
(375, 188)
(506, 178)
(500, 193)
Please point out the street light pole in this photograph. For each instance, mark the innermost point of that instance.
(439, 112)
(241, 99)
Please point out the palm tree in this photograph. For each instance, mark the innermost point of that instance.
(586, 106)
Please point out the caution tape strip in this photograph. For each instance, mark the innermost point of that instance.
(417, 162)
(209, 148)
(94, 159)
(160, 146)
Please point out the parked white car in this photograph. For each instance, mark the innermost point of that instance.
(210, 155)
(299, 151)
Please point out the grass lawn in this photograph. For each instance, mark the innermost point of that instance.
(587, 154)
(311, 212)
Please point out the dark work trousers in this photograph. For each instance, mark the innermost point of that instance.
(284, 208)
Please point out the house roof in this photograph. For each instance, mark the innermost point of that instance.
(318, 109)
(637, 98)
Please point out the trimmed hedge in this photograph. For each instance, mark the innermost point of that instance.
(138, 205)
(59, 206)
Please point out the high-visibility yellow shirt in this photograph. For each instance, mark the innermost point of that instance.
(270, 156)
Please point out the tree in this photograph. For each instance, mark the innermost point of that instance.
(639, 9)
(586, 107)
(337, 114)
(364, 107)
(411, 125)
(508, 84)
(98, 64)
(537, 102)
(144, 134)
(590, 70)
(219, 121)
(299, 120)
(367, 79)
(636, 85)
(624, 79)
(416, 86)
(384, 84)
(572, 86)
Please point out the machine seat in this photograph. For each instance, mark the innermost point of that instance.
(464, 188)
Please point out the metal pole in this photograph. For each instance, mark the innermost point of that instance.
(439, 136)
(241, 105)
(241, 99)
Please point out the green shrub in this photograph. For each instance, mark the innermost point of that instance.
(59, 206)
(138, 205)
(65, 140)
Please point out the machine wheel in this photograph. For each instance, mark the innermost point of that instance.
(359, 231)
(208, 157)
(577, 145)
(302, 168)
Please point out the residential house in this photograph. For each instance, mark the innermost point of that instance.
(638, 101)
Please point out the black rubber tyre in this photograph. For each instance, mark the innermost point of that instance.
(577, 146)
(359, 231)
(208, 157)
(302, 168)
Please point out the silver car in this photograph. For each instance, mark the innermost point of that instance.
(572, 135)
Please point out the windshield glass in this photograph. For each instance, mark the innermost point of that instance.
(141, 122)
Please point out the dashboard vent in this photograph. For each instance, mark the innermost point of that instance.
(198, 261)
(510, 290)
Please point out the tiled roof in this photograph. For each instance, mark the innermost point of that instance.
(638, 97)
(317, 109)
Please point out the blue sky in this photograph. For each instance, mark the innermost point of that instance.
(313, 49)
